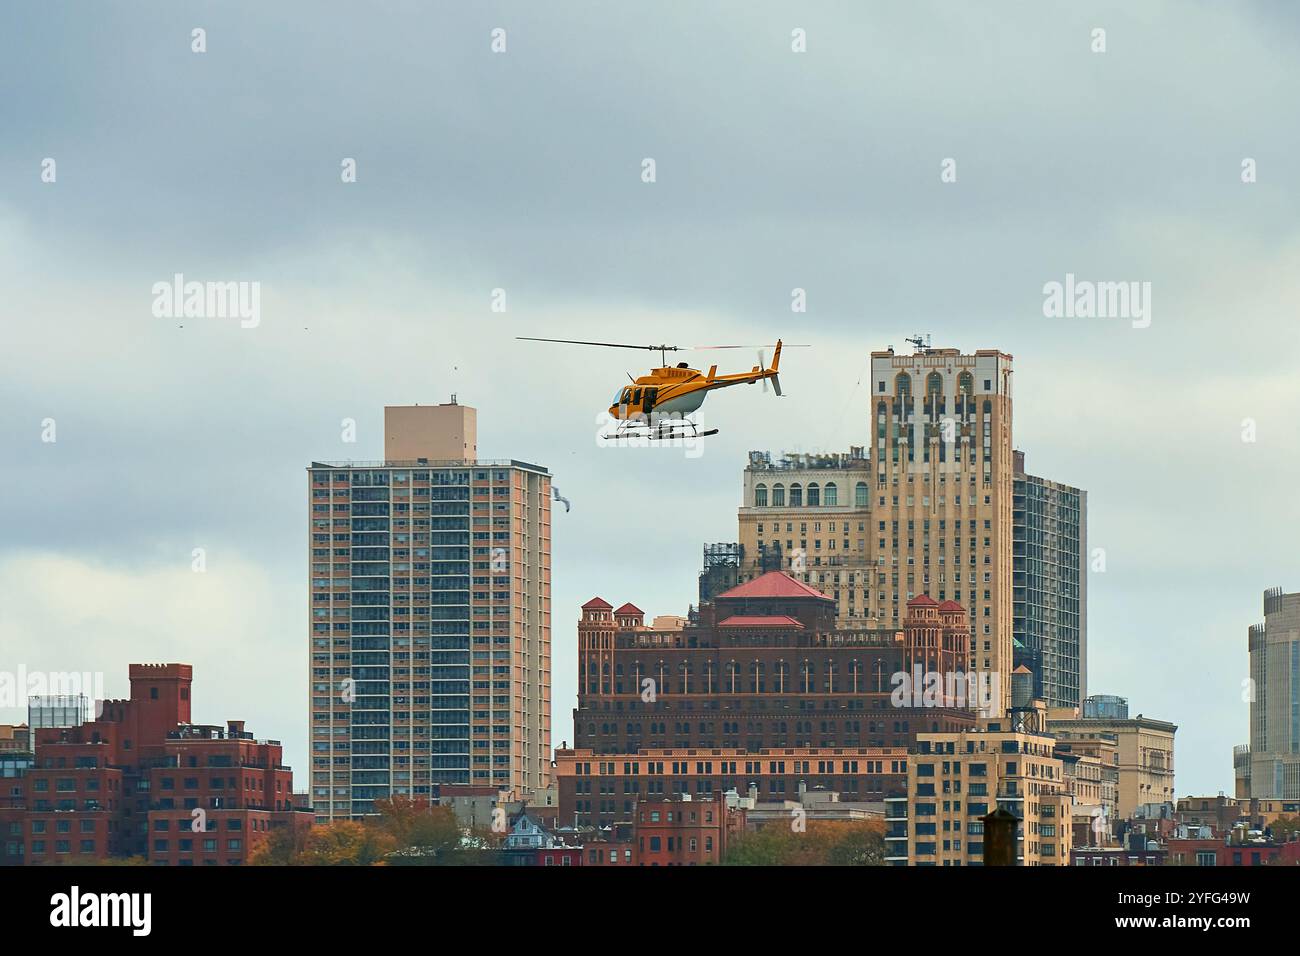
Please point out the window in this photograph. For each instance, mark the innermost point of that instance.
(796, 495)
(778, 496)
(760, 496)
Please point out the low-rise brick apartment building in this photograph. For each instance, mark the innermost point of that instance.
(1238, 849)
(1223, 812)
(141, 780)
(956, 779)
(760, 687)
(679, 831)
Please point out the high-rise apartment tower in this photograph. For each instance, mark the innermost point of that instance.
(430, 618)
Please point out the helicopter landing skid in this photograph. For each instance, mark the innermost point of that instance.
(663, 431)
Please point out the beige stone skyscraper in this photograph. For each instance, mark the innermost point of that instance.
(941, 521)
(430, 618)
(927, 511)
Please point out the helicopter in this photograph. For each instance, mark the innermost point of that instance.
(655, 406)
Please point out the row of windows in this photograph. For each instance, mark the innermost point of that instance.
(367, 478)
(817, 496)
(934, 384)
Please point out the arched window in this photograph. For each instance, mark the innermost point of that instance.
(796, 495)
(830, 495)
(760, 496)
(814, 495)
(903, 385)
(860, 495)
(965, 384)
(778, 496)
(934, 384)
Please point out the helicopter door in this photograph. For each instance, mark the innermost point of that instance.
(650, 395)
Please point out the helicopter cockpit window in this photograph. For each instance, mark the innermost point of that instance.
(618, 397)
(636, 397)
(626, 397)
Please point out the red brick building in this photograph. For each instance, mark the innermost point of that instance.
(611, 846)
(560, 856)
(1219, 852)
(679, 831)
(761, 687)
(142, 780)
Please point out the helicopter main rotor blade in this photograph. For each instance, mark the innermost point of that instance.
(703, 347)
(651, 348)
(608, 345)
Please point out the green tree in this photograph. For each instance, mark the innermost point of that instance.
(1283, 827)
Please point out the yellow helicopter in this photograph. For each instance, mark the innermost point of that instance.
(655, 406)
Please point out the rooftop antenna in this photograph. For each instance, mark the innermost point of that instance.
(919, 343)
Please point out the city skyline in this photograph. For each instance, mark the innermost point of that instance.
(818, 171)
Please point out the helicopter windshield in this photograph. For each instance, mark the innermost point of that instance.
(618, 397)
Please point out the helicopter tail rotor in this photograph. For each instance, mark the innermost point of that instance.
(762, 367)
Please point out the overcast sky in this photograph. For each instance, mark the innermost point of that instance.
(522, 171)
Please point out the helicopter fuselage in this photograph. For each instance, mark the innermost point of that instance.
(676, 391)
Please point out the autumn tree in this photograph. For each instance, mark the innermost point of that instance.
(341, 843)
(815, 843)
(429, 835)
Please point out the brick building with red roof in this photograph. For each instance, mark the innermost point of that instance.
(759, 687)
